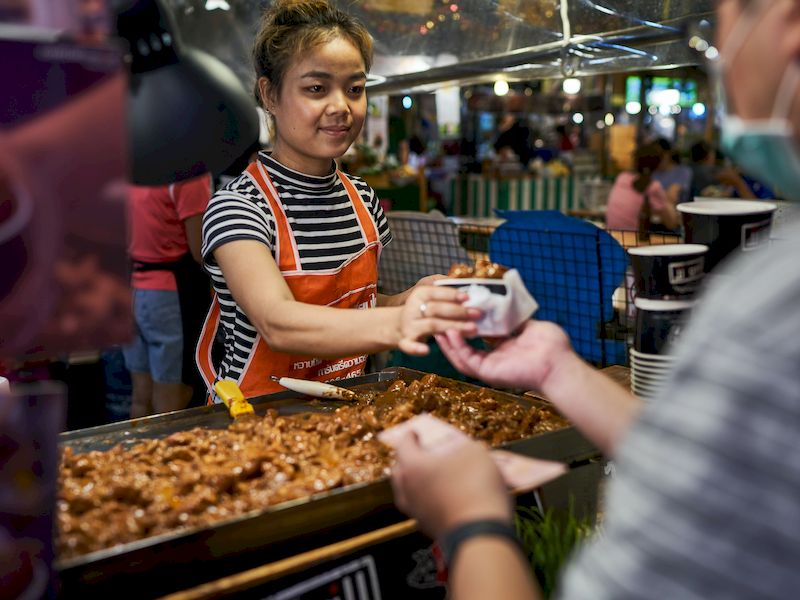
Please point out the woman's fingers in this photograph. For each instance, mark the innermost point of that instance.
(431, 310)
(413, 347)
(448, 310)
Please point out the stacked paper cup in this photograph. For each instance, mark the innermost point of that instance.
(666, 279)
(728, 227)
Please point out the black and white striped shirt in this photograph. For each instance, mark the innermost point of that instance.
(320, 217)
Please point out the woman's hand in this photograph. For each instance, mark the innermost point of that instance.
(430, 310)
(524, 361)
(443, 488)
(400, 299)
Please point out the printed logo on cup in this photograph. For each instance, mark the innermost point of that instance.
(674, 334)
(755, 235)
(686, 273)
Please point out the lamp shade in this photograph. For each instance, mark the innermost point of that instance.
(187, 118)
(188, 113)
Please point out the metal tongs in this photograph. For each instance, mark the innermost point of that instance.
(315, 388)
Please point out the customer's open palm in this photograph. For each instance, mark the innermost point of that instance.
(522, 361)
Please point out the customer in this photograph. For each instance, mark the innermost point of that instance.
(171, 293)
(292, 245)
(675, 178)
(709, 178)
(705, 502)
(638, 196)
(513, 140)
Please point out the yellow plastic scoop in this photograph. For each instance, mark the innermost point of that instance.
(233, 398)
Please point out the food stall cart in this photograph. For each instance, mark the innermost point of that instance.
(340, 532)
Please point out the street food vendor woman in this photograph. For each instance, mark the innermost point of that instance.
(292, 245)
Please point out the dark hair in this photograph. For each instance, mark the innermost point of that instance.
(700, 151)
(647, 159)
(666, 147)
(664, 144)
(416, 145)
(292, 27)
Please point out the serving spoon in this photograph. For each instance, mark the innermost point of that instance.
(317, 389)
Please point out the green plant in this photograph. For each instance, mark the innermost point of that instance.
(549, 538)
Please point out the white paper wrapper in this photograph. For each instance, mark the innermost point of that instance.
(502, 312)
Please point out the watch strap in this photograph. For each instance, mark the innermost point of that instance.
(454, 538)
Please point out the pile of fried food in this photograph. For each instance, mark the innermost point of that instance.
(197, 477)
(483, 269)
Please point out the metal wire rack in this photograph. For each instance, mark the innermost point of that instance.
(578, 272)
(422, 244)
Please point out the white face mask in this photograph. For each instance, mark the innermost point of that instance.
(764, 148)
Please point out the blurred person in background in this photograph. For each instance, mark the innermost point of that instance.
(637, 196)
(711, 179)
(513, 140)
(705, 499)
(675, 178)
(416, 153)
(171, 294)
(565, 141)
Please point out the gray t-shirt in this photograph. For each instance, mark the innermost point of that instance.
(706, 502)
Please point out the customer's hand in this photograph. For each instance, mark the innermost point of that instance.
(432, 309)
(443, 488)
(523, 361)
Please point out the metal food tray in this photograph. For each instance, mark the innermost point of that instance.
(191, 556)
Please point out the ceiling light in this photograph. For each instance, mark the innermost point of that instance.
(668, 97)
(501, 87)
(407, 102)
(699, 109)
(577, 118)
(571, 85)
(609, 120)
(217, 4)
(633, 108)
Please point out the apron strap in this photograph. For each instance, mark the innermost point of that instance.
(286, 253)
(205, 343)
(369, 229)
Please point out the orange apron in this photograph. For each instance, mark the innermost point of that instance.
(352, 285)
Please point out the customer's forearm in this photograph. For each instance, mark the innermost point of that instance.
(598, 406)
(489, 567)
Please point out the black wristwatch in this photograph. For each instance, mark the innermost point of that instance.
(452, 539)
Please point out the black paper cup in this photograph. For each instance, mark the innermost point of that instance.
(669, 271)
(659, 323)
(727, 226)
